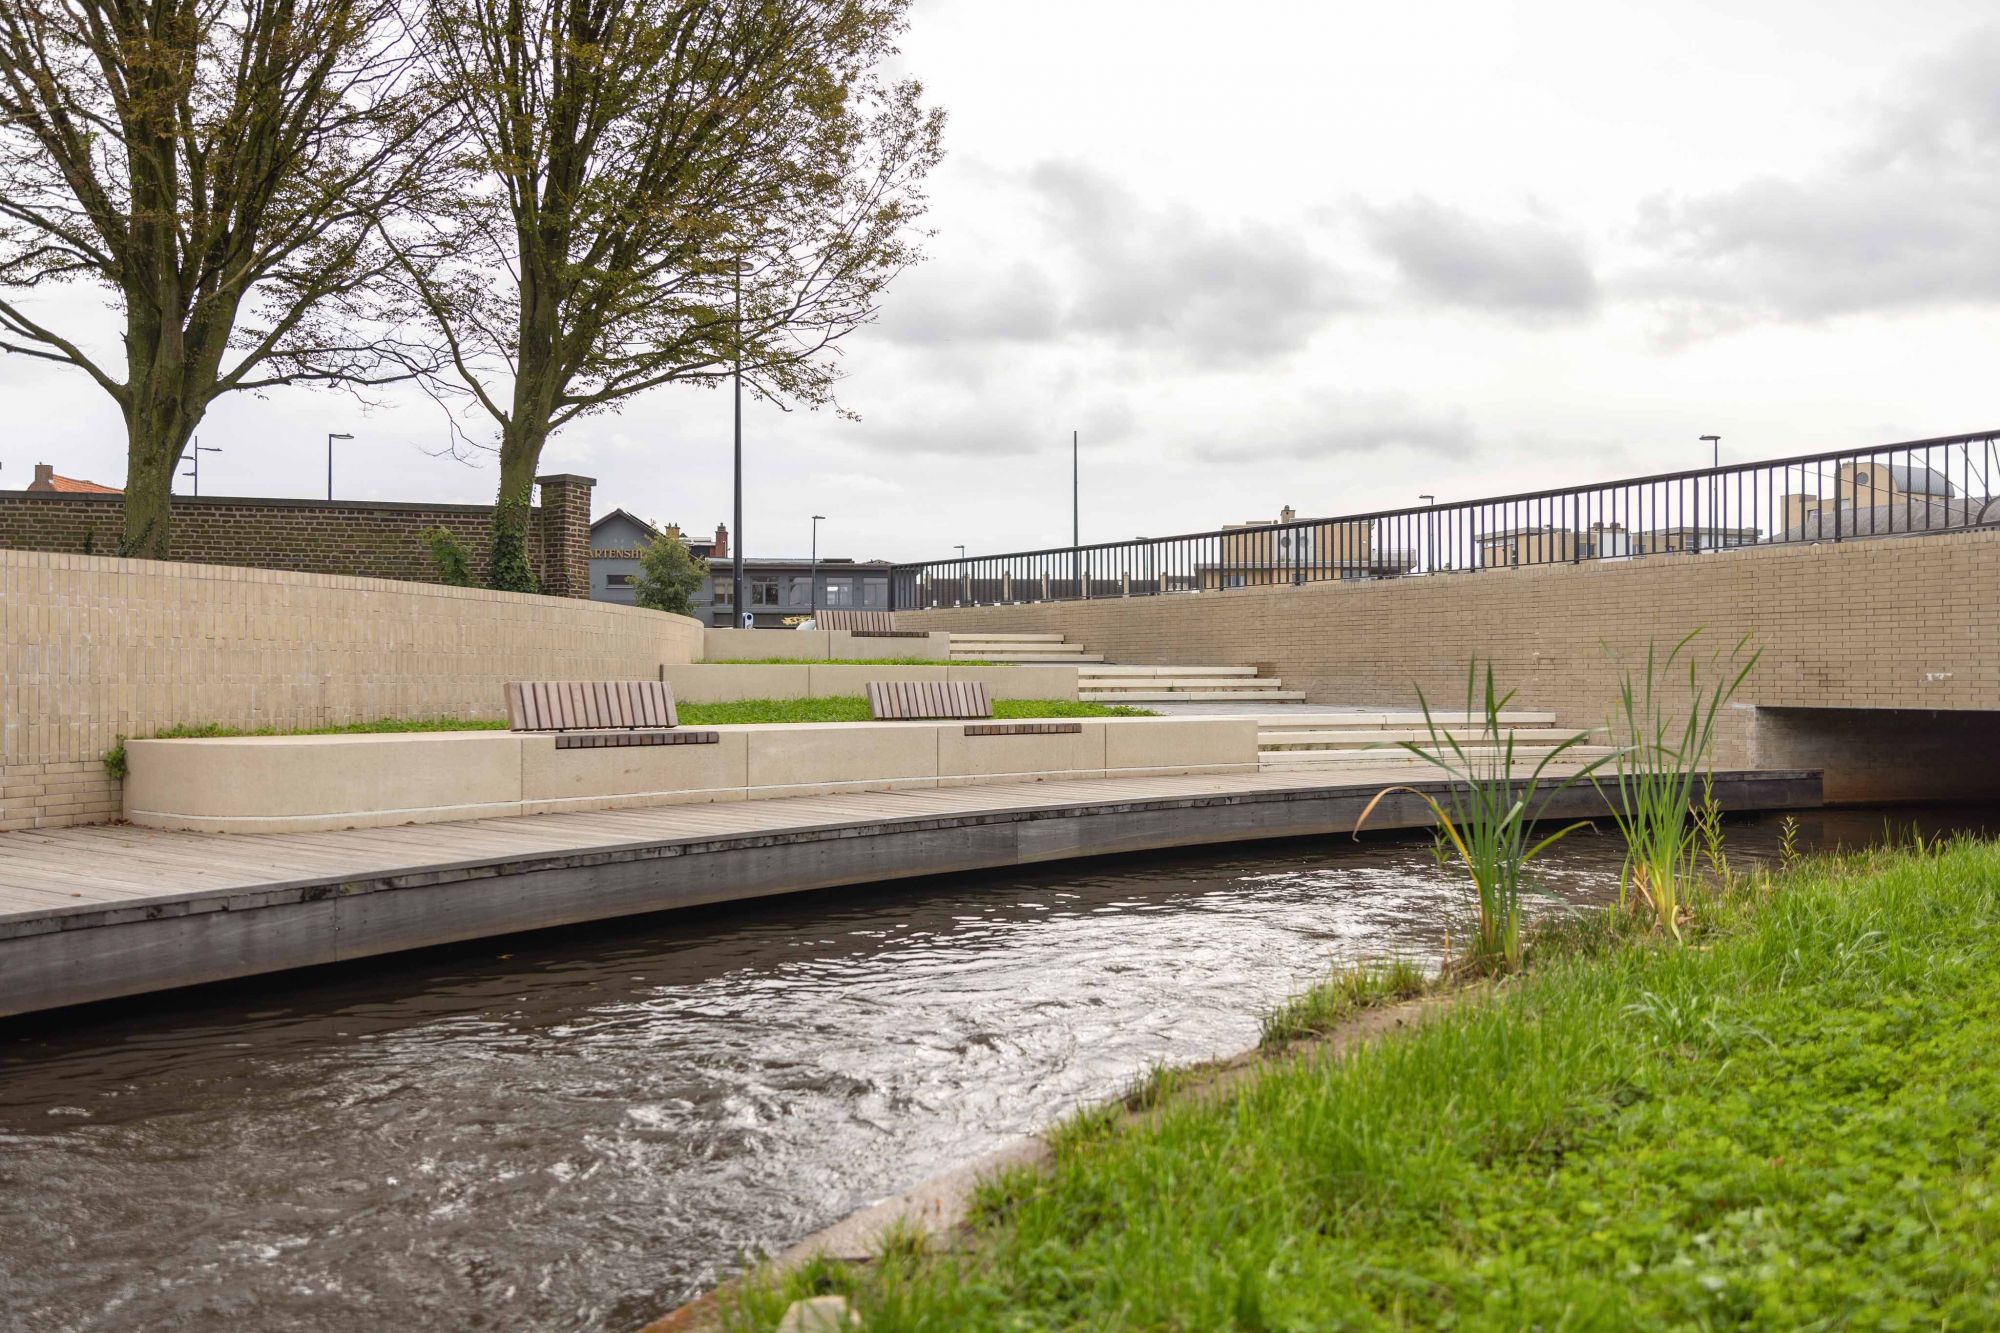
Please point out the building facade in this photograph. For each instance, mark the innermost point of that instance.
(779, 592)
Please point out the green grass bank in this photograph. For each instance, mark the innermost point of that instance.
(1790, 1121)
(838, 709)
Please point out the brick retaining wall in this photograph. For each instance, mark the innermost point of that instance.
(365, 538)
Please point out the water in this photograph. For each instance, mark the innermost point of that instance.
(579, 1130)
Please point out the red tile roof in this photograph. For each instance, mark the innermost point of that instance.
(72, 486)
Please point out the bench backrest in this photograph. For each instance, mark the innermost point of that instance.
(872, 622)
(927, 700)
(590, 705)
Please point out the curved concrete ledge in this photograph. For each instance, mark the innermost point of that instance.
(716, 683)
(304, 784)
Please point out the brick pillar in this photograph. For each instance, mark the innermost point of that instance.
(564, 522)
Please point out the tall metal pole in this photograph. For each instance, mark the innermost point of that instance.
(1076, 512)
(817, 520)
(742, 607)
(331, 436)
(1714, 463)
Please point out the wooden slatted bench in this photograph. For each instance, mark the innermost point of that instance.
(939, 700)
(593, 714)
(866, 624)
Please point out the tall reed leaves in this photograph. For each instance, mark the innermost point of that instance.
(1488, 815)
(1664, 742)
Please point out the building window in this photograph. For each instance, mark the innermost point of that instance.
(838, 592)
(1232, 581)
(617, 580)
(724, 594)
(875, 592)
(799, 594)
(763, 592)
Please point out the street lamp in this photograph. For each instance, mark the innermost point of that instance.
(817, 520)
(331, 436)
(1714, 442)
(195, 451)
(736, 568)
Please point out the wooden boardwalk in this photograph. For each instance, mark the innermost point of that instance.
(102, 911)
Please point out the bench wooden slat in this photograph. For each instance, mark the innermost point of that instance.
(591, 706)
(927, 700)
(878, 622)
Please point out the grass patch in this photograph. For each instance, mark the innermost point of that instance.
(853, 708)
(1793, 1123)
(1337, 999)
(116, 763)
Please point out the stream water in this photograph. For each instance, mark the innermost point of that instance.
(579, 1129)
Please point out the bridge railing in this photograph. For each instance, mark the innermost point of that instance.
(1916, 487)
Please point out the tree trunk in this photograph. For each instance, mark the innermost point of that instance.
(157, 430)
(511, 564)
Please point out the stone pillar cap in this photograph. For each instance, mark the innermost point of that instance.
(572, 478)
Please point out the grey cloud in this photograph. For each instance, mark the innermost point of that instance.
(931, 306)
(1519, 268)
(1335, 425)
(972, 429)
(1230, 294)
(1904, 219)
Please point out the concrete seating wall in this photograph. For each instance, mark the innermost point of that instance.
(818, 645)
(715, 683)
(290, 784)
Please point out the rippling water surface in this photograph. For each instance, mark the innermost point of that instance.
(577, 1130)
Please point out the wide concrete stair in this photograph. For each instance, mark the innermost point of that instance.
(1297, 741)
(1037, 649)
(1181, 684)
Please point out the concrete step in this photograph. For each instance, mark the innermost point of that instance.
(1188, 696)
(959, 638)
(1394, 758)
(1141, 672)
(1028, 658)
(1454, 718)
(1356, 738)
(1241, 684)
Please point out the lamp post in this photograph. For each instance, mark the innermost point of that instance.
(736, 567)
(1714, 442)
(195, 451)
(814, 594)
(331, 436)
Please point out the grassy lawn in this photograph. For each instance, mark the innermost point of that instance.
(855, 709)
(1793, 1121)
(842, 709)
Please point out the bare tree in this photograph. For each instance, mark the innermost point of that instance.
(654, 167)
(223, 170)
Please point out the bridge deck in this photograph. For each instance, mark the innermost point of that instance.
(97, 912)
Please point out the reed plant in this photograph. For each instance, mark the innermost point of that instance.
(1489, 815)
(1663, 745)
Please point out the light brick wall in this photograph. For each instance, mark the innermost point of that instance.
(1906, 623)
(94, 648)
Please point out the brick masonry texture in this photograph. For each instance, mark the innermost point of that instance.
(1908, 624)
(358, 537)
(94, 648)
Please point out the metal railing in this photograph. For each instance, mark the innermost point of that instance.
(1921, 486)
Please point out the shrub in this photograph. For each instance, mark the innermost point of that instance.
(448, 553)
(669, 576)
(1488, 816)
(1659, 759)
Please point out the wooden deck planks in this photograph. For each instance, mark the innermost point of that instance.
(122, 863)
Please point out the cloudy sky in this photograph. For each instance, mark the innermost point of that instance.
(1326, 254)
